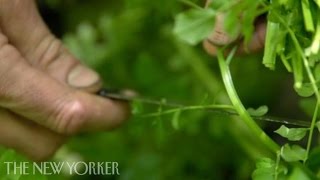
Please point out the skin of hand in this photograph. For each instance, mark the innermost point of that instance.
(255, 45)
(46, 94)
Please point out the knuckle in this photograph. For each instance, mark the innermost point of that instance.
(47, 51)
(71, 117)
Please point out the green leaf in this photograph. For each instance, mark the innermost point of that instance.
(292, 134)
(175, 120)
(293, 153)
(265, 170)
(305, 90)
(261, 111)
(263, 174)
(298, 174)
(194, 25)
(313, 162)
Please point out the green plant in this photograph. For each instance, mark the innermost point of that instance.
(131, 44)
(297, 46)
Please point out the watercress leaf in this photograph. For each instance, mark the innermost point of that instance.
(261, 111)
(264, 169)
(265, 163)
(175, 120)
(307, 105)
(293, 153)
(194, 25)
(313, 162)
(292, 134)
(305, 90)
(263, 174)
(299, 174)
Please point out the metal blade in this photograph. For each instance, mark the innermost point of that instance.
(115, 95)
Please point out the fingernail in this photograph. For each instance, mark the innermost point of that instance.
(82, 77)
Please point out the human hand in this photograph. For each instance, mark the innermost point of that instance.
(45, 93)
(220, 37)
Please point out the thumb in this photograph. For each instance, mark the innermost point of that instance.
(36, 96)
(25, 29)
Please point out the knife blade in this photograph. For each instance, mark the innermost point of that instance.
(116, 95)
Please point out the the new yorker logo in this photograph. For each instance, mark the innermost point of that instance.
(72, 168)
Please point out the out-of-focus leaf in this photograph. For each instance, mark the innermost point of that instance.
(293, 153)
(265, 170)
(298, 174)
(313, 161)
(194, 25)
(305, 90)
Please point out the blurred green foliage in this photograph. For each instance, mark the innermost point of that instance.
(130, 43)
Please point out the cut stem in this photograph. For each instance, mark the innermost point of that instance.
(257, 131)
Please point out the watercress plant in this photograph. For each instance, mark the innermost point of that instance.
(292, 37)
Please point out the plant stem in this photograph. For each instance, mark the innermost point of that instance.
(188, 108)
(312, 81)
(210, 81)
(257, 131)
(277, 166)
(313, 123)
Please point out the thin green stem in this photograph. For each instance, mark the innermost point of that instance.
(312, 81)
(276, 169)
(300, 51)
(189, 108)
(313, 123)
(211, 82)
(257, 131)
